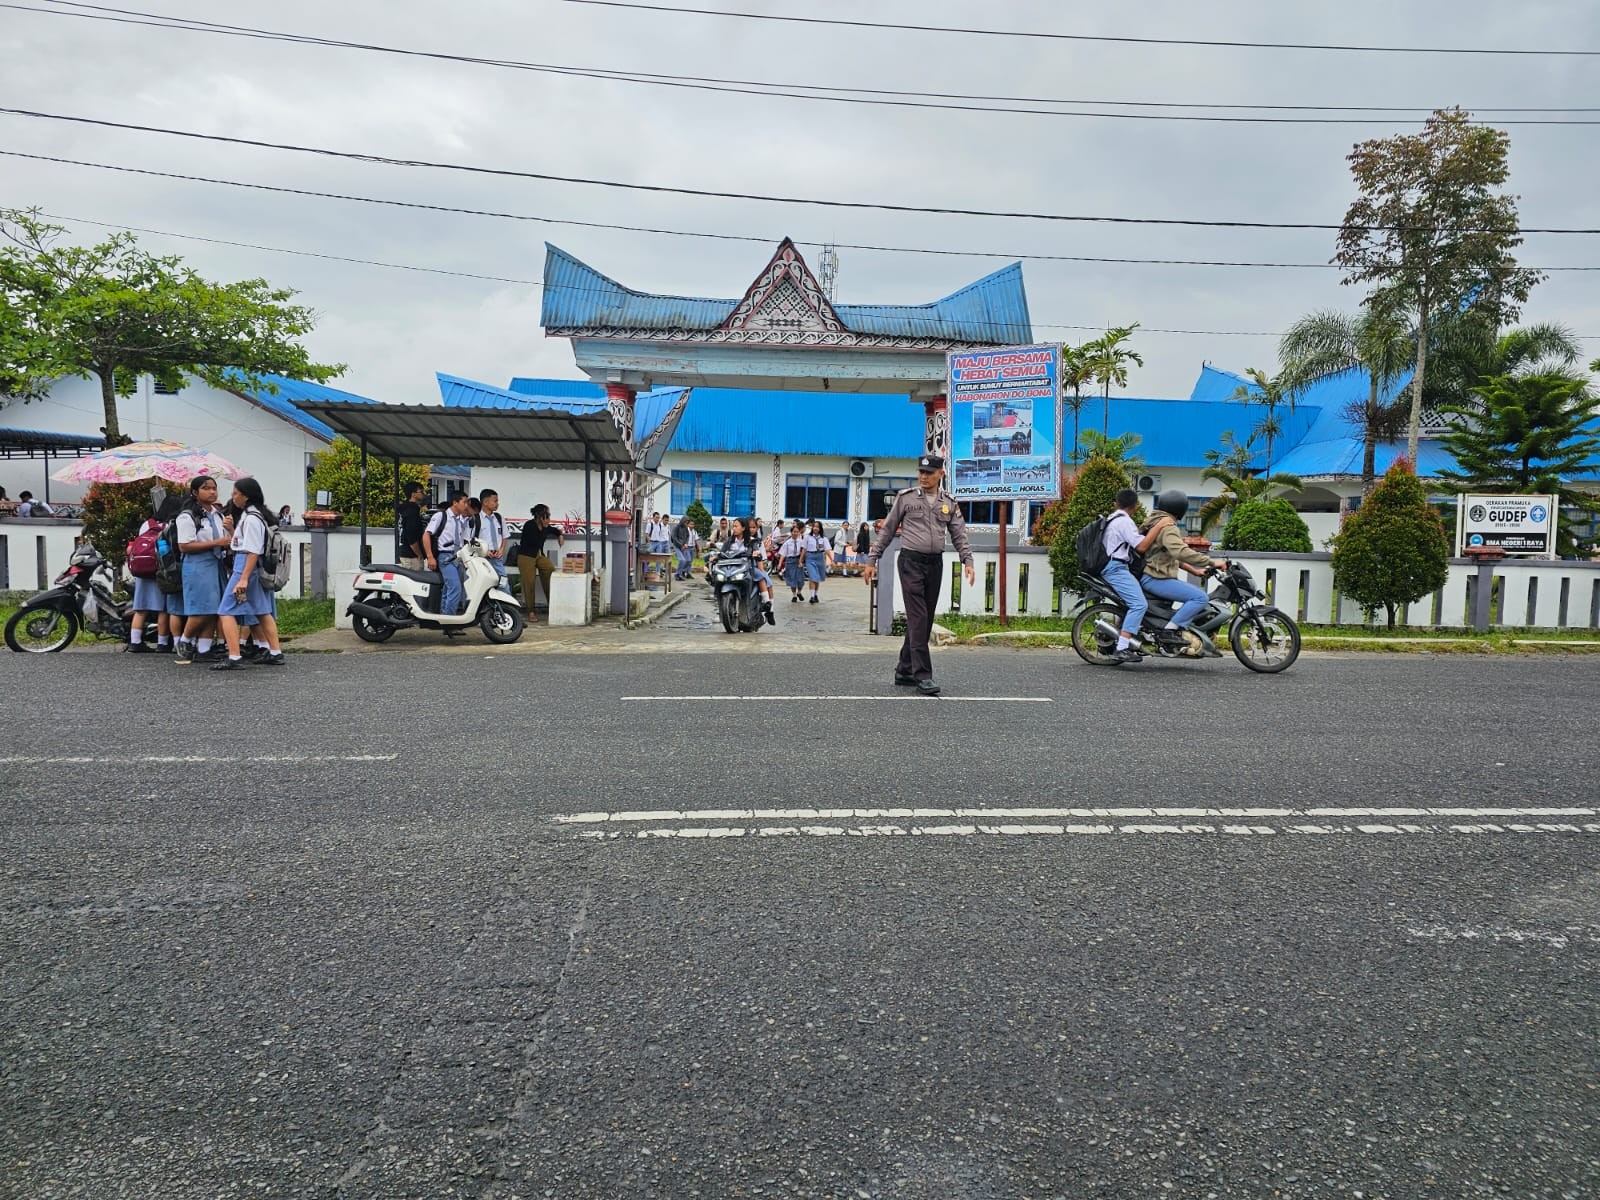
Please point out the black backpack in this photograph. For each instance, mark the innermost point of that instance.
(169, 561)
(1090, 545)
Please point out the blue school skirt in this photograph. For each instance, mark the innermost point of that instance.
(792, 574)
(257, 602)
(202, 584)
(816, 566)
(147, 597)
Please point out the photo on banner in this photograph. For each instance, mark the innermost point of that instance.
(1005, 423)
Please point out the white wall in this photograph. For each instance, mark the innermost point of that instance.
(260, 443)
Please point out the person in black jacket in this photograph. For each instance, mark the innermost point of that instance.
(411, 528)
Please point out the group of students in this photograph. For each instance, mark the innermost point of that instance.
(1160, 554)
(222, 596)
(435, 543)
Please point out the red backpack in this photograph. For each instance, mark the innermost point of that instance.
(144, 552)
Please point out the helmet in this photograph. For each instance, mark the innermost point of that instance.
(1174, 502)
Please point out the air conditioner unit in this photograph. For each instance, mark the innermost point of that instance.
(1149, 483)
(863, 468)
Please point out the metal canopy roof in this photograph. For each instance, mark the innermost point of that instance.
(31, 443)
(479, 437)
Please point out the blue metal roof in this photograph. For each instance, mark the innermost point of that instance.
(569, 389)
(281, 403)
(992, 310)
(1177, 433)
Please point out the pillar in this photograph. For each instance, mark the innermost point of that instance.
(620, 401)
(619, 496)
(936, 426)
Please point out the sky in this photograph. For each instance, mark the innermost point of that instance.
(395, 328)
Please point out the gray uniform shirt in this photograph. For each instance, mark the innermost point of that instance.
(921, 521)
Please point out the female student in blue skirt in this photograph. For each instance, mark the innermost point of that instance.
(818, 558)
(148, 599)
(244, 600)
(203, 537)
(793, 552)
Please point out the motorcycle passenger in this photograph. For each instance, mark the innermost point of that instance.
(441, 540)
(1121, 538)
(1170, 554)
(742, 539)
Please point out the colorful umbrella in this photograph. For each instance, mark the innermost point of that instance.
(172, 461)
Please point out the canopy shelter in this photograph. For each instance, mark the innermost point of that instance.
(36, 443)
(480, 437)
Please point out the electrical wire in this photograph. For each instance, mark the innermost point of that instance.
(687, 233)
(1081, 37)
(947, 101)
(709, 193)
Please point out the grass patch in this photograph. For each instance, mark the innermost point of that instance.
(296, 618)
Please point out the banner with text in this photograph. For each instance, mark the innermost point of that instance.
(1515, 525)
(1005, 420)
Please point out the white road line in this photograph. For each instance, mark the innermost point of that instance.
(118, 760)
(881, 699)
(701, 832)
(867, 814)
(1579, 934)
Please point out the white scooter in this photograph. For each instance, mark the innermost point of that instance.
(390, 597)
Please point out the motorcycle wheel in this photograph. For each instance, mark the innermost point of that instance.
(41, 630)
(369, 631)
(728, 610)
(1093, 646)
(502, 624)
(1265, 642)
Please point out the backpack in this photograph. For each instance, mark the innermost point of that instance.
(273, 568)
(1090, 545)
(144, 552)
(169, 567)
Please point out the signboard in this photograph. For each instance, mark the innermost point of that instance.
(1515, 524)
(1005, 423)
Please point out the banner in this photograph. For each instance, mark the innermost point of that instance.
(1005, 423)
(1522, 525)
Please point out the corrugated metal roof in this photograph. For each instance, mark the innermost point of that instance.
(567, 389)
(992, 310)
(40, 439)
(290, 393)
(465, 393)
(1177, 433)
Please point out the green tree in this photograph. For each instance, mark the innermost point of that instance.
(1272, 392)
(1432, 233)
(1267, 525)
(700, 517)
(1119, 449)
(1108, 359)
(115, 311)
(1094, 496)
(1326, 344)
(1077, 373)
(1048, 521)
(1230, 466)
(1527, 434)
(112, 514)
(1393, 550)
(337, 470)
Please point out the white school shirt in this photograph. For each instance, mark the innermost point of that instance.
(816, 545)
(207, 529)
(448, 532)
(792, 548)
(250, 534)
(491, 531)
(1121, 533)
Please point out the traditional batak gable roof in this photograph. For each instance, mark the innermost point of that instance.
(784, 306)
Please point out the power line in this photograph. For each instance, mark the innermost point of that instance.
(535, 283)
(708, 193)
(887, 97)
(764, 240)
(1077, 37)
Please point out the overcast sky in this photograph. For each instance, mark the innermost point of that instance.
(396, 328)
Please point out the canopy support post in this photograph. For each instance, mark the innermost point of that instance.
(399, 499)
(361, 551)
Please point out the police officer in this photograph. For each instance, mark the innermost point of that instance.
(921, 516)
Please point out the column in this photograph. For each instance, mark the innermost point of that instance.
(620, 400)
(619, 496)
(936, 426)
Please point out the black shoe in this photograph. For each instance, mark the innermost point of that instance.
(162, 648)
(927, 687)
(904, 680)
(184, 654)
(1171, 637)
(272, 660)
(139, 648)
(772, 617)
(814, 599)
(228, 664)
(1127, 656)
(795, 599)
(217, 653)
(254, 653)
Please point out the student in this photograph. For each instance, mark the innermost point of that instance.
(285, 517)
(204, 536)
(792, 551)
(531, 557)
(243, 596)
(411, 556)
(818, 558)
(27, 506)
(682, 535)
(148, 598)
(441, 540)
(1122, 538)
(492, 531)
(742, 539)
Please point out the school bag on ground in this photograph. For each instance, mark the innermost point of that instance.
(144, 552)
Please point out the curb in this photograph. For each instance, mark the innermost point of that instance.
(655, 614)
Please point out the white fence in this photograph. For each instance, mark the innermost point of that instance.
(1527, 592)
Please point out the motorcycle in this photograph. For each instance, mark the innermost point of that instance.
(83, 597)
(737, 592)
(1264, 638)
(390, 597)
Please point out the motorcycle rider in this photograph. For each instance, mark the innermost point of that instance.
(744, 538)
(1170, 554)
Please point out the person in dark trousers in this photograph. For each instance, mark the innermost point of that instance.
(531, 557)
(922, 516)
(680, 539)
(411, 528)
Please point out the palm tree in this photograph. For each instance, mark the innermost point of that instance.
(1466, 350)
(1328, 343)
(1109, 359)
(1077, 373)
(1119, 450)
(1271, 392)
(1230, 467)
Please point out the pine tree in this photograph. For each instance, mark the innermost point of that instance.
(1393, 550)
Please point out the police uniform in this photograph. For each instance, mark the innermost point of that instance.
(922, 522)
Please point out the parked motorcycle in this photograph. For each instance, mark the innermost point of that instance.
(391, 597)
(1262, 637)
(83, 597)
(737, 592)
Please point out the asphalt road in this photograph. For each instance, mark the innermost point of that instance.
(780, 948)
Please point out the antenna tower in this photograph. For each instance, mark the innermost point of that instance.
(829, 270)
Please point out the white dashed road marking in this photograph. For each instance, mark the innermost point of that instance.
(880, 699)
(119, 760)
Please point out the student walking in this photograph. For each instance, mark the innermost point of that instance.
(204, 536)
(682, 537)
(818, 558)
(243, 596)
(793, 551)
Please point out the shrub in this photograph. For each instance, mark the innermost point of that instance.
(1268, 525)
(1093, 496)
(1043, 532)
(700, 517)
(113, 512)
(337, 470)
(1393, 550)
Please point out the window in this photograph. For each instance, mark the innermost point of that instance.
(1191, 520)
(724, 493)
(881, 493)
(817, 497)
(163, 389)
(981, 512)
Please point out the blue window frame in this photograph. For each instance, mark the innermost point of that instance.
(724, 493)
(881, 491)
(816, 497)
